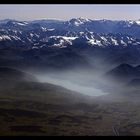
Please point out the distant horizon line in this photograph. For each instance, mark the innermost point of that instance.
(69, 19)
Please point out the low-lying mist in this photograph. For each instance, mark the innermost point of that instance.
(86, 82)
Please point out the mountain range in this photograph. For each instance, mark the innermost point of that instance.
(56, 33)
(75, 77)
(65, 44)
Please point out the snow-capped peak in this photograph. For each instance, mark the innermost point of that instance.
(14, 22)
(21, 23)
(83, 19)
(138, 22)
(79, 21)
(129, 23)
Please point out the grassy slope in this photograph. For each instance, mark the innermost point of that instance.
(31, 108)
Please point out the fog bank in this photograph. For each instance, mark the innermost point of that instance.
(80, 81)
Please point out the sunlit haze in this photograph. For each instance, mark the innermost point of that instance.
(65, 11)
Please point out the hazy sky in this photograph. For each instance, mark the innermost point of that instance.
(67, 11)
